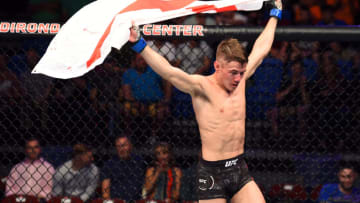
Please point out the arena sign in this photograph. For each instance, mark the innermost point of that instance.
(29, 28)
(173, 30)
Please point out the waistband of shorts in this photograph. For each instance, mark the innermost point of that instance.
(222, 163)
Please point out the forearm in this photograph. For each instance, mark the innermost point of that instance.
(89, 191)
(57, 190)
(157, 62)
(261, 47)
(150, 182)
(265, 40)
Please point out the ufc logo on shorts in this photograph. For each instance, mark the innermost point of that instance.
(231, 163)
(202, 181)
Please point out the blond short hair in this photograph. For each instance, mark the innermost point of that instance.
(231, 50)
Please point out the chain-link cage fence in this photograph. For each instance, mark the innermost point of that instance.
(104, 135)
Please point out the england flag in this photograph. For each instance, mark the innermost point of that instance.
(87, 37)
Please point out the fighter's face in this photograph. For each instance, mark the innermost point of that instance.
(230, 73)
(346, 178)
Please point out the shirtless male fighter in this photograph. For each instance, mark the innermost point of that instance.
(219, 105)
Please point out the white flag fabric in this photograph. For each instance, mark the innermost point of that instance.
(85, 40)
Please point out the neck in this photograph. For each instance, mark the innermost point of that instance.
(217, 81)
(32, 160)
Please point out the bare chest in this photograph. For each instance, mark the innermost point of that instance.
(220, 107)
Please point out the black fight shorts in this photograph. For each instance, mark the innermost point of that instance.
(221, 179)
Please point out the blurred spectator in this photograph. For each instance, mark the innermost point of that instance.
(68, 106)
(164, 48)
(265, 83)
(22, 63)
(147, 96)
(45, 11)
(343, 55)
(344, 191)
(303, 16)
(312, 5)
(77, 97)
(230, 18)
(255, 18)
(162, 180)
(123, 175)
(188, 187)
(308, 51)
(35, 87)
(57, 118)
(9, 84)
(328, 17)
(292, 100)
(106, 98)
(345, 10)
(354, 72)
(329, 103)
(200, 19)
(33, 176)
(141, 84)
(194, 56)
(77, 177)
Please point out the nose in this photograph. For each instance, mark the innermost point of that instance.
(237, 77)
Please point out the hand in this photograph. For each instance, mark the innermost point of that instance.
(40, 197)
(134, 33)
(278, 4)
(161, 166)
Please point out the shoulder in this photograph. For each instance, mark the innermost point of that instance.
(65, 166)
(329, 188)
(150, 170)
(111, 161)
(205, 81)
(129, 71)
(178, 171)
(18, 166)
(94, 168)
(139, 160)
(46, 163)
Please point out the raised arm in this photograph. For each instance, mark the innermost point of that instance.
(181, 80)
(265, 40)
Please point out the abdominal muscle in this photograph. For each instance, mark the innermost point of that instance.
(221, 139)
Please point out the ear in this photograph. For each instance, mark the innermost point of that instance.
(216, 65)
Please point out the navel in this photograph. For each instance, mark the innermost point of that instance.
(222, 110)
